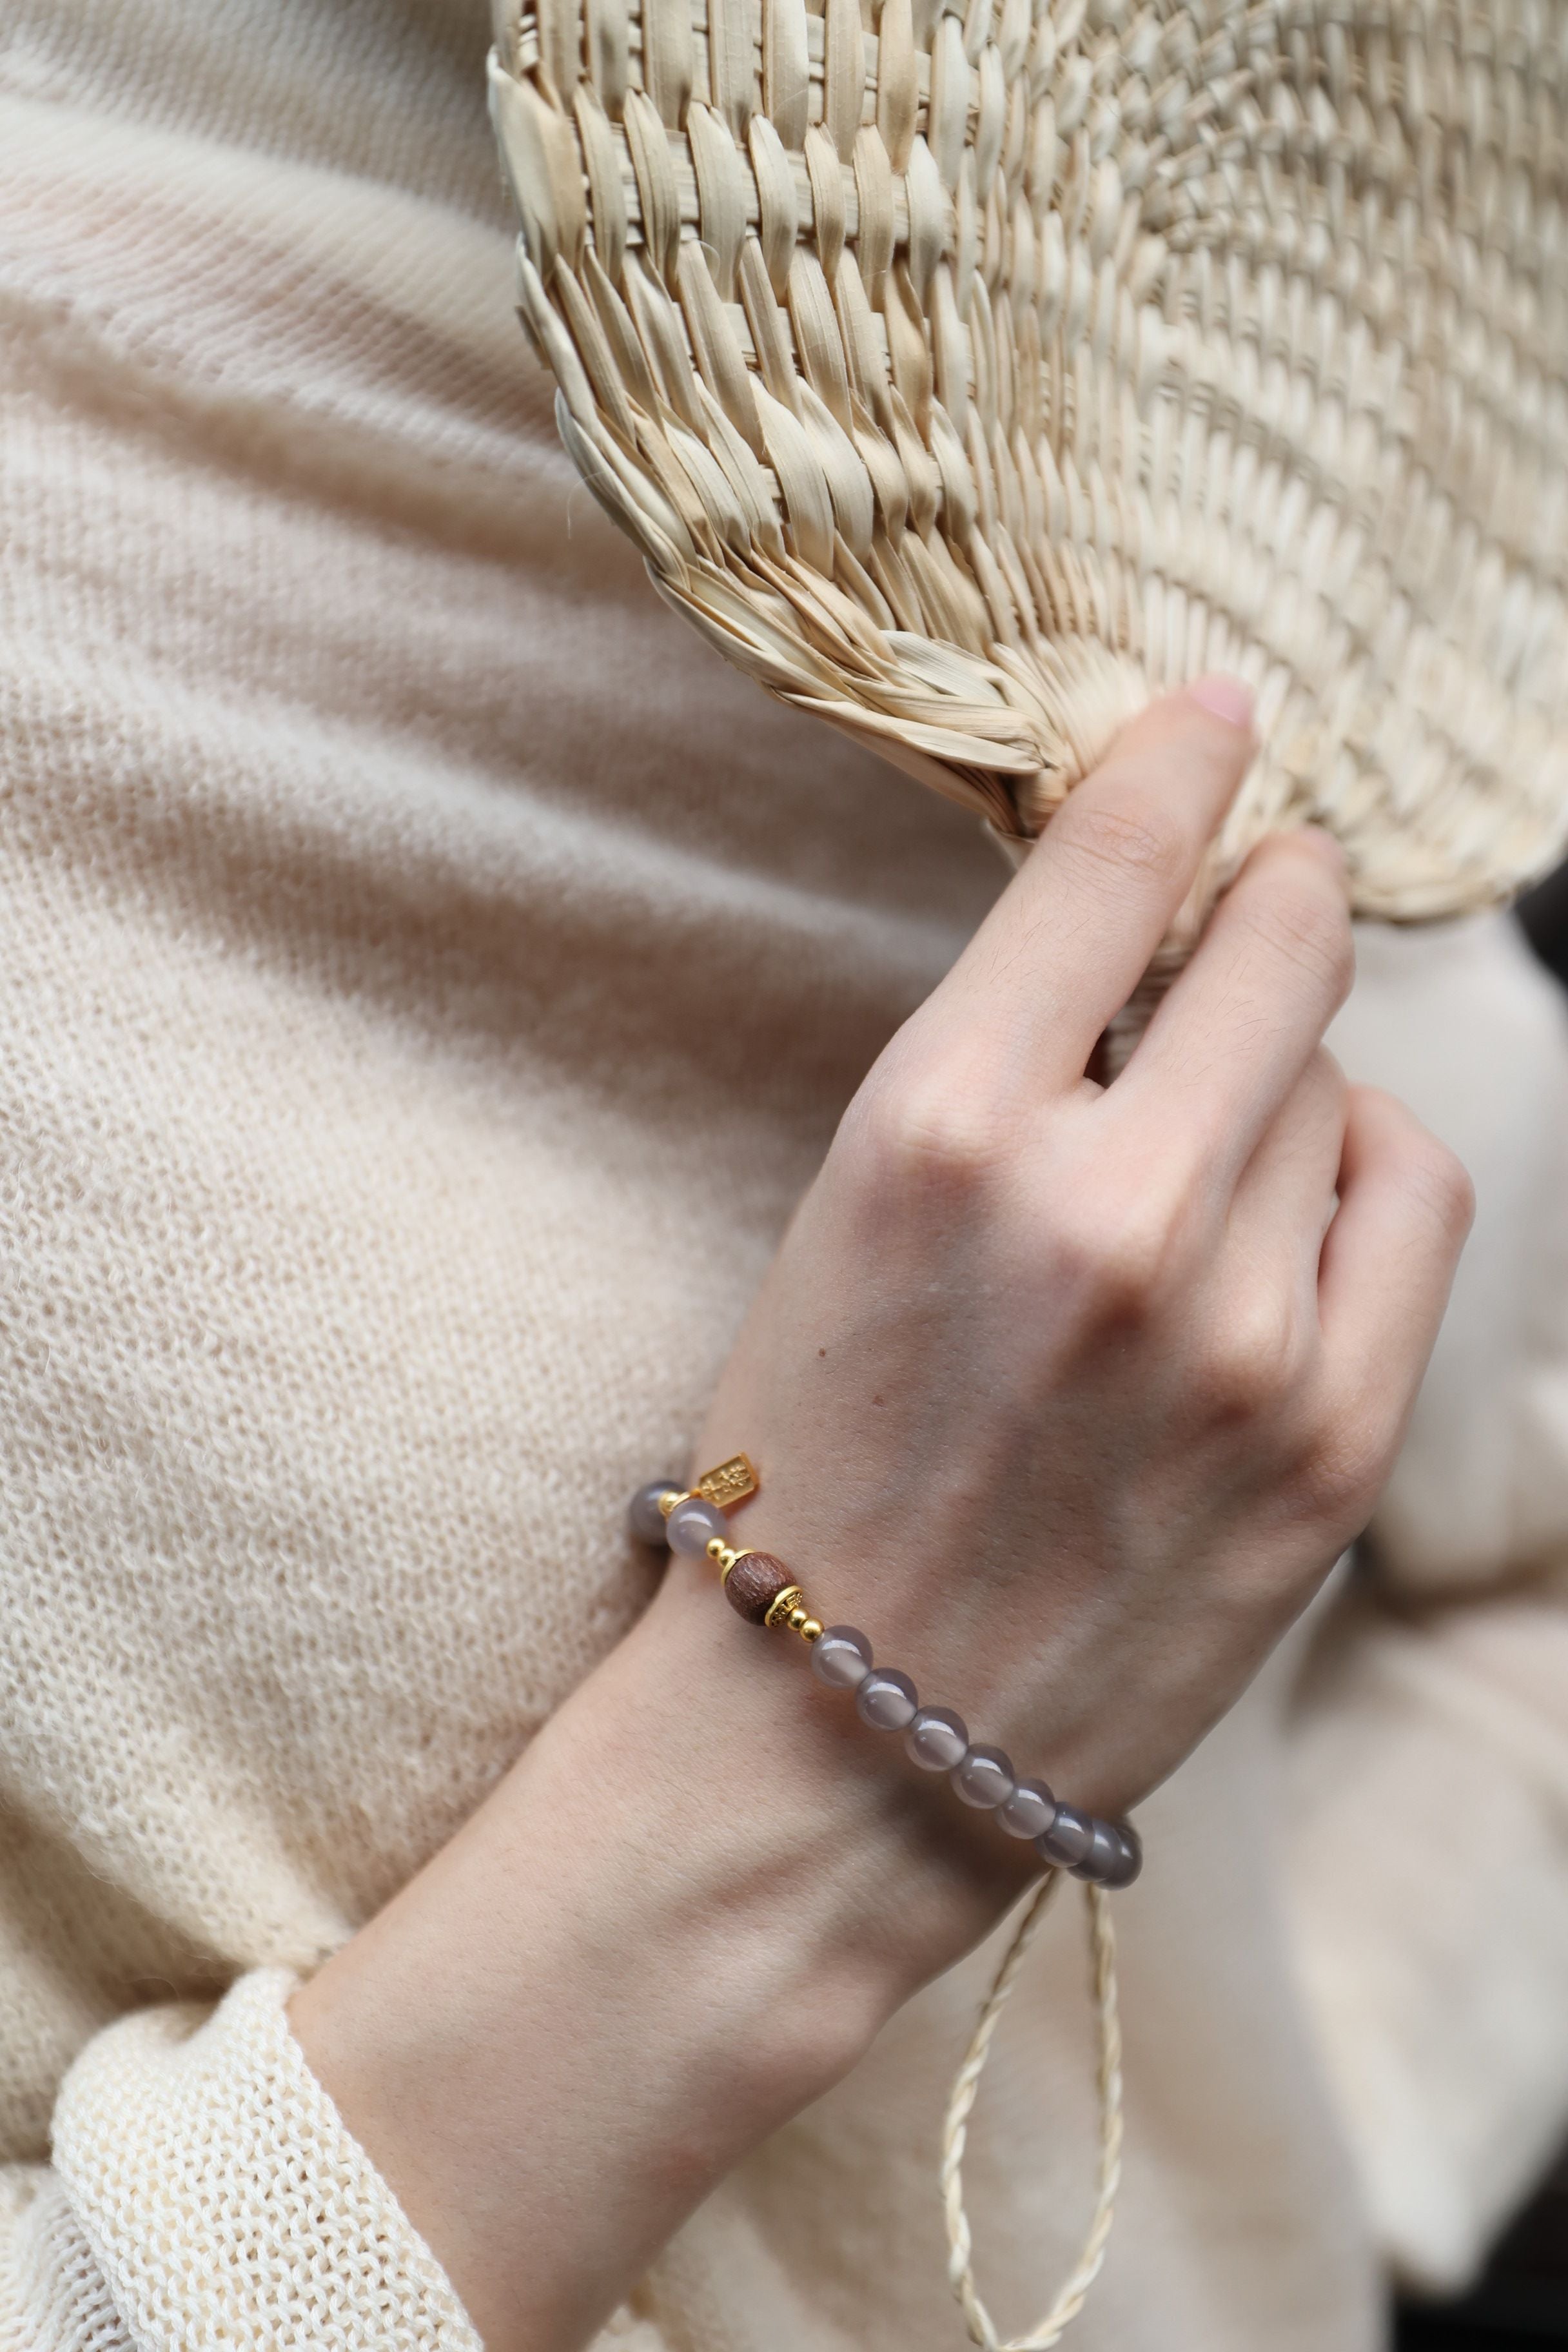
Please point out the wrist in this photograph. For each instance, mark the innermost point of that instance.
(874, 1878)
(681, 1918)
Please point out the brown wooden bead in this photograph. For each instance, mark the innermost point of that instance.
(754, 1583)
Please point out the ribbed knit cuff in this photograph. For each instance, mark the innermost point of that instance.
(53, 2294)
(224, 2199)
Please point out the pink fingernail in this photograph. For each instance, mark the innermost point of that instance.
(1227, 698)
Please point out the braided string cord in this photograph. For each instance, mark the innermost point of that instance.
(960, 2268)
(968, 372)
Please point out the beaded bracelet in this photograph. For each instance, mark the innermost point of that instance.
(762, 1591)
(1102, 1853)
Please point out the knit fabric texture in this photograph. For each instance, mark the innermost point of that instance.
(430, 979)
(53, 2291)
(224, 2200)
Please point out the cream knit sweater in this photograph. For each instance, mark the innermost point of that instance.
(430, 977)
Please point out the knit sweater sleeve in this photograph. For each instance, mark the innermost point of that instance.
(204, 2190)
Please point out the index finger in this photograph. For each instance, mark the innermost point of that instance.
(1069, 938)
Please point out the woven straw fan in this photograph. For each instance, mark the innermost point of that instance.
(968, 374)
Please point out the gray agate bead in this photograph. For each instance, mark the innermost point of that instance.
(1067, 1840)
(692, 1524)
(842, 1658)
(1102, 1857)
(1029, 1811)
(937, 1740)
(983, 1777)
(887, 1700)
(1130, 1855)
(644, 1518)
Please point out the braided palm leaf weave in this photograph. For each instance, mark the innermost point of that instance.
(969, 370)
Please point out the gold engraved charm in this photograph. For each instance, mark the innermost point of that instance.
(729, 1484)
(779, 1610)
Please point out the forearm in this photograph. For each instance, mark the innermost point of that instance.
(1074, 1395)
(680, 1918)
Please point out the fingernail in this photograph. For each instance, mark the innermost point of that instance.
(1327, 847)
(1227, 698)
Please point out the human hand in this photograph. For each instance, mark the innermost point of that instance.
(1070, 1397)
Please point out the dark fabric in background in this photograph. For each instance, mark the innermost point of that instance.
(1544, 916)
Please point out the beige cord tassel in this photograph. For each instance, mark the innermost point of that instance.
(960, 2268)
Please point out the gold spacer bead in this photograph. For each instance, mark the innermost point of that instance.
(812, 1630)
(716, 1548)
(780, 1610)
(727, 1560)
(670, 1497)
(797, 1617)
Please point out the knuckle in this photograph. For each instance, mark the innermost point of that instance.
(1350, 1462)
(1257, 1358)
(1132, 835)
(1310, 932)
(926, 1128)
(1117, 1257)
(1440, 1184)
